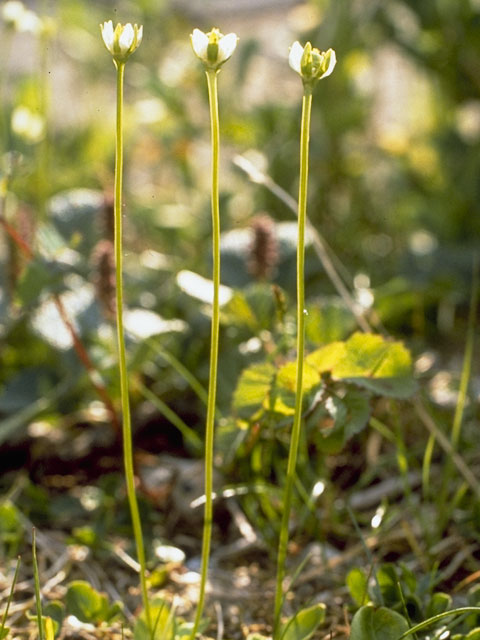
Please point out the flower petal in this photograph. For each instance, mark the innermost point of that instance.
(107, 34)
(125, 40)
(139, 34)
(227, 46)
(331, 64)
(295, 56)
(199, 43)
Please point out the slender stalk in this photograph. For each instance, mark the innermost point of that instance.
(122, 360)
(443, 508)
(9, 600)
(297, 419)
(212, 384)
(36, 578)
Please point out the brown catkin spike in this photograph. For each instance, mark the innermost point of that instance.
(263, 256)
(103, 262)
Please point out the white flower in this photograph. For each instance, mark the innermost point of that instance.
(27, 124)
(213, 48)
(16, 15)
(12, 11)
(107, 35)
(295, 56)
(121, 41)
(199, 43)
(311, 63)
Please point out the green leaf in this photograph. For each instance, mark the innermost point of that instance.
(50, 627)
(377, 624)
(327, 321)
(38, 275)
(55, 610)
(439, 603)
(358, 412)
(371, 355)
(370, 361)
(286, 386)
(253, 387)
(304, 623)
(87, 604)
(163, 621)
(238, 312)
(337, 420)
(4, 632)
(376, 364)
(357, 584)
(327, 357)
(395, 580)
(474, 634)
(11, 529)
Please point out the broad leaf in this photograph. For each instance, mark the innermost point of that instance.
(88, 605)
(286, 385)
(377, 624)
(439, 603)
(55, 610)
(337, 420)
(304, 623)
(369, 361)
(252, 388)
(327, 357)
(357, 584)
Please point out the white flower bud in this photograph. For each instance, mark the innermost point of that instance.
(121, 41)
(213, 48)
(310, 63)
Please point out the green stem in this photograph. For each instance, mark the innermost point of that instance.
(212, 384)
(443, 508)
(297, 419)
(36, 578)
(122, 360)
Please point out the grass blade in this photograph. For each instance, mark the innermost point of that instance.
(9, 599)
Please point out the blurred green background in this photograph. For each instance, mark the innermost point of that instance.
(394, 189)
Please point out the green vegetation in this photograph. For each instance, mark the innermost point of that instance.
(284, 447)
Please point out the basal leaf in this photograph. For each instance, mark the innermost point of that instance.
(304, 623)
(50, 627)
(376, 364)
(55, 610)
(338, 419)
(439, 602)
(327, 357)
(377, 624)
(253, 387)
(238, 312)
(364, 355)
(286, 385)
(358, 412)
(357, 584)
(85, 603)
